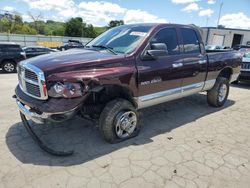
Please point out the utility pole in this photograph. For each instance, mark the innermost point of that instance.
(218, 22)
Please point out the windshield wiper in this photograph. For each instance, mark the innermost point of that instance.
(105, 47)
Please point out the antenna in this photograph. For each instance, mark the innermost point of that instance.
(218, 22)
(207, 21)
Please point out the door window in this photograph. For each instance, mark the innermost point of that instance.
(40, 50)
(29, 50)
(190, 41)
(167, 36)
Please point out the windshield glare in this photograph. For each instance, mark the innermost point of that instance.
(122, 39)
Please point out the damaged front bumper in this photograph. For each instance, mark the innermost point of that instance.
(42, 118)
(53, 110)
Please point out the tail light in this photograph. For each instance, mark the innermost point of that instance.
(23, 54)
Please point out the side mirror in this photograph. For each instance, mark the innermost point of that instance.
(157, 50)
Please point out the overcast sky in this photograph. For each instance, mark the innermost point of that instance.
(235, 14)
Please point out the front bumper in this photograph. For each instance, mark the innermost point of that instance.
(49, 111)
(44, 117)
(244, 75)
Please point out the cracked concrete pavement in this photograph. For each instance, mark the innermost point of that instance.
(183, 143)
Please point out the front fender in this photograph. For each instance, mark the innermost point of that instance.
(91, 78)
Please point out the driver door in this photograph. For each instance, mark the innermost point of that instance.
(160, 79)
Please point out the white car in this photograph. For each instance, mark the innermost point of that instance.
(245, 68)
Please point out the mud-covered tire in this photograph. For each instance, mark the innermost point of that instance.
(108, 118)
(9, 66)
(217, 96)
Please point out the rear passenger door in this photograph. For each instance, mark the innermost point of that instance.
(194, 68)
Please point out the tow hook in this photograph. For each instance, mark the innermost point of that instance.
(40, 143)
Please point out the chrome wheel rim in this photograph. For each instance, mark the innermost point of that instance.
(9, 67)
(125, 124)
(222, 92)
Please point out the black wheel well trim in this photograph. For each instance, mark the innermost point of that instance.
(226, 72)
(120, 92)
(7, 59)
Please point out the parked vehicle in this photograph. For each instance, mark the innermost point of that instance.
(33, 51)
(70, 44)
(10, 55)
(214, 47)
(122, 71)
(245, 68)
(243, 51)
(240, 46)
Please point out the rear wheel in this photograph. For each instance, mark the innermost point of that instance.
(217, 96)
(119, 121)
(9, 66)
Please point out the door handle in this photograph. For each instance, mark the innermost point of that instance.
(177, 65)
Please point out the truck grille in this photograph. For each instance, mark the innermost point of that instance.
(30, 75)
(33, 89)
(32, 81)
(245, 66)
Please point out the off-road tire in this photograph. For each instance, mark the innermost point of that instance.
(213, 94)
(107, 120)
(9, 62)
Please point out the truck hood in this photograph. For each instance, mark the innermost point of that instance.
(73, 60)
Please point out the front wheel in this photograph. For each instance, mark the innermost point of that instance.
(218, 95)
(119, 121)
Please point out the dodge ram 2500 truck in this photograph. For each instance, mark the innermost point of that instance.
(123, 70)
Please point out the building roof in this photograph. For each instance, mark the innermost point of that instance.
(233, 29)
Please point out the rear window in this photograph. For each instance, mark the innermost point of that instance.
(190, 41)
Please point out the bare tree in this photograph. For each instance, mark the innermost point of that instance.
(35, 18)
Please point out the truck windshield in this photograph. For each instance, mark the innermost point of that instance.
(122, 39)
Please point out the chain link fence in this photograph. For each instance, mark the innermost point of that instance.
(39, 40)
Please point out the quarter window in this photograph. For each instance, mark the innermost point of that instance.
(169, 37)
(190, 41)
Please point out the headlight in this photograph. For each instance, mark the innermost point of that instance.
(66, 90)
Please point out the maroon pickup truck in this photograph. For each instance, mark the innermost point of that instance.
(123, 70)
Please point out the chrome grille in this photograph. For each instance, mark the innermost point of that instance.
(245, 66)
(32, 81)
(30, 75)
(33, 89)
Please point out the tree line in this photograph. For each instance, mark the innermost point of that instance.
(74, 27)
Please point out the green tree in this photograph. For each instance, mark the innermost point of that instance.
(26, 29)
(114, 23)
(5, 25)
(39, 26)
(54, 28)
(74, 27)
(89, 31)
